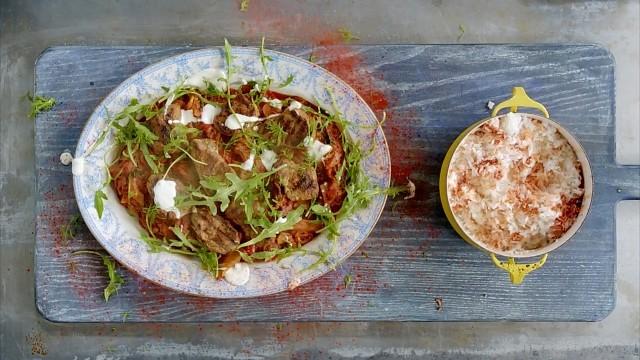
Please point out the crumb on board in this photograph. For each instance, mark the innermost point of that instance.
(411, 188)
(294, 283)
(439, 303)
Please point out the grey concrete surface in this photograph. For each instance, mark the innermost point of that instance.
(28, 27)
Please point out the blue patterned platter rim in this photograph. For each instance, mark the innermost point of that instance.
(119, 233)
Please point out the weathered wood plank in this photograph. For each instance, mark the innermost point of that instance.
(412, 256)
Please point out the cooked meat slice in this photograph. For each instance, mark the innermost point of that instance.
(242, 104)
(206, 150)
(184, 171)
(300, 182)
(174, 111)
(194, 105)
(238, 152)
(308, 225)
(209, 131)
(215, 232)
(296, 124)
(332, 194)
(334, 159)
(235, 213)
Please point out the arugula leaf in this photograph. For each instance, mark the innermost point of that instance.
(287, 81)
(328, 219)
(461, 31)
(115, 280)
(347, 35)
(277, 227)
(227, 58)
(69, 230)
(209, 261)
(234, 186)
(323, 257)
(134, 135)
(98, 198)
(347, 280)
(276, 130)
(156, 245)
(136, 111)
(264, 58)
(184, 241)
(150, 214)
(246, 257)
(40, 104)
(196, 198)
(179, 141)
(277, 253)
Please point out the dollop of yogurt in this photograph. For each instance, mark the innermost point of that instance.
(238, 275)
(209, 112)
(237, 121)
(294, 105)
(268, 159)
(248, 165)
(276, 103)
(186, 117)
(316, 149)
(164, 196)
(77, 166)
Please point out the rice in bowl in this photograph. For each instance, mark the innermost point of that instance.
(515, 184)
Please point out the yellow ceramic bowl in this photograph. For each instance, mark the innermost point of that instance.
(517, 271)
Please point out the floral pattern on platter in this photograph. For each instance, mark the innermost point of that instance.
(119, 233)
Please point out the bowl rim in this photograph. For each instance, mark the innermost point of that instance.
(323, 269)
(588, 182)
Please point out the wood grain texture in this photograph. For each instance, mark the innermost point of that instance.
(413, 256)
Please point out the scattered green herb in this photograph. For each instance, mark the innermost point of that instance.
(235, 187)
(287, 81)
(40, 104)
(244, 5)
(347, 35)
(209, 261)
(69, 230)
(461, 31)
(98, 201)
(115, 280)
(183, 241)
(347, 280)
(100, 196)
(277, 227)
(135, 136)
(228, 59)
(263, 57)
(125, 316)
(179, 141)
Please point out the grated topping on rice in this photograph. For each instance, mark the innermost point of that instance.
(515, 184)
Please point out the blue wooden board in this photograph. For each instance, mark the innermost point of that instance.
(413, 256)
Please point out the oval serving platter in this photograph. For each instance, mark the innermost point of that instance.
(119, 233)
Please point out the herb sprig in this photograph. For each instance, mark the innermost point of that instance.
(115, 280)
(40, 104)
(69, 230)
